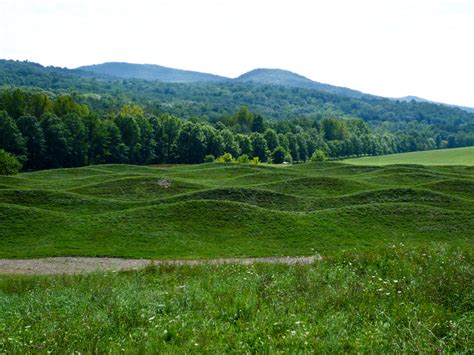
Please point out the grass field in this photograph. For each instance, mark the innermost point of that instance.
(397, 273)
(219, 210)
(455, 156)
(395, 299)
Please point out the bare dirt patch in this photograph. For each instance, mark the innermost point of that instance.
(76, 265)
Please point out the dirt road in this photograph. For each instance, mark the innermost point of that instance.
(75, 265)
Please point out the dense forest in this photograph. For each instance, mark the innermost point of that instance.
(44, 132)
(53, 117)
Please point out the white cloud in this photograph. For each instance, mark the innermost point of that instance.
(391, 48)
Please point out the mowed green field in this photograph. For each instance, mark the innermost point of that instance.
(454, 156)
(223, 210)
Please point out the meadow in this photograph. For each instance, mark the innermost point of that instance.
(397, 271)
(394, 299)
(453, 156)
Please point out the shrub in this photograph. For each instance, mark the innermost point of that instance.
(209, 158)
(226, 158)
(244, 159)
(319, 155)
(255, 160)
(9, 165)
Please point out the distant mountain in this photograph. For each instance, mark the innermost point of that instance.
(150, 72)
(289, 79)
(215, 100)
(169, 75)
(419, 99)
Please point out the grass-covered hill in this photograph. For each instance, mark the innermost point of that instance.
(455, 156)
(223, 210)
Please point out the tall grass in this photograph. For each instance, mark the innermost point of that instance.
(393, 299)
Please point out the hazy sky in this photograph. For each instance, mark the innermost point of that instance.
(386, 47)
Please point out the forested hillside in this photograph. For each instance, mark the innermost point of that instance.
(53, 117)
(149, 72)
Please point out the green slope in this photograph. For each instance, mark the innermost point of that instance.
(223, 210)
(454, 156)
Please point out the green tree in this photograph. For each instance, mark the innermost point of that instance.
(278, 155)
(9, 165)
(333, 129)
(258, 124)
(191, 144)
(302, 147)
(78, 143)
(293, 147)
(131, 135)
(165, 133)
(271, 138)
(32, 132)
(244, 143)
(215, 145)
(65, 104)
(11, 139)
(56, 136)
(259, 145)
(243, 119)
(229, 143)
(146, 151)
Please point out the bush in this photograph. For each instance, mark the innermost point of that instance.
(319, 155)
(255, 160)
(244, 159)
(226, 158)
(209, 158)
(9, 165)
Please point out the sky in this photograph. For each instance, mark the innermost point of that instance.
(383, 47)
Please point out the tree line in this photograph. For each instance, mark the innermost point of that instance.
(51, 132)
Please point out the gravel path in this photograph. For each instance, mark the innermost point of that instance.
(75, 265)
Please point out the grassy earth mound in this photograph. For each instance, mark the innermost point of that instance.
(226, 210)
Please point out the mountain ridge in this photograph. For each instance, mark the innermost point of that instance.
(265, 76)
(420, 99)
(126, 70)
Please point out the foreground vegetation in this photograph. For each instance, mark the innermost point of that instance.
(455, 156)
(225, 210)
(394, 299)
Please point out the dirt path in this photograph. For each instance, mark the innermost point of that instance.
(75, 265)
